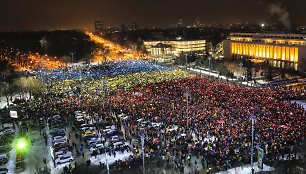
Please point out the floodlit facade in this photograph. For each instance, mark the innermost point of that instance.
(174, 47)
(281, 50)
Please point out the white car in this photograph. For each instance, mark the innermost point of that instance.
(85, 125)
(84, 129)
(64, 159)
(59, 142)
(8, 131)
(77, 112)
(79, 118)
(107, 130)
(118, 144)
(96, 147)
(61, 153)
(94, 140)
(58, 138)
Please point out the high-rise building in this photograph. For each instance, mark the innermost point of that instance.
(280, 50)
(99, 26)
(134, 25)
(197, 22)
(180, 23)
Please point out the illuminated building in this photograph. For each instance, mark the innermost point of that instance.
(280, 50)
(174, 47)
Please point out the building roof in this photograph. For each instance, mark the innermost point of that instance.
(160, 45)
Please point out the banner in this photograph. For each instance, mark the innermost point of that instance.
(13, 114)
(260, 157)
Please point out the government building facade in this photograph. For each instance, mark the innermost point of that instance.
(280, 50)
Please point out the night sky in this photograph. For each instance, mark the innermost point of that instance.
(80, 14)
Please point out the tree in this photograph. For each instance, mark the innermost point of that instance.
(30, 85)
(248, 74)
(5, 91)
(269, 74)
(36, 87)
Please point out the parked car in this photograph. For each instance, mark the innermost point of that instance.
(59, 138)
(8, 131)
(64, 159)
(3, 170)
(56, 143)
(5, 148)
(3, 159)
(96, 147)
(62, 153)
(113, 133)
(57, 132)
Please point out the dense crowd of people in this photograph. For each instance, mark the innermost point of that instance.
(108, 69)
(219, 122)
(218, 126)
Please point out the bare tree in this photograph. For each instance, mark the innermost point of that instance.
(5, 91)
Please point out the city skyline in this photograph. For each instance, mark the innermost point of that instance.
(38, 15)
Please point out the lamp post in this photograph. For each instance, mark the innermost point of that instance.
(106, 162)
(21, 145)
(186, 59)
(209, 59)
(143, 152)
(187, 103)
(72, 57)
(252, 147)
(240, 71)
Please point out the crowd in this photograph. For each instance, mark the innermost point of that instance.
(219, 122)
(95, 87)
(108, 69)
(218, 126)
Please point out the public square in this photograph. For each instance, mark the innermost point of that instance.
(153, 87)
(188, 122)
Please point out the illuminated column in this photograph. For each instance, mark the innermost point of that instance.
(292, 54)
(287, 54)
(253, 50)
(296, 57)
(267, 52)
(279, 53)
(264, 47)
(283, 53)
(236, 48)
(275, 52)
(248, 50)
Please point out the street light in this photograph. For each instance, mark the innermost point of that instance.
(186, 58)
(143, 152)
(107, 167)
(209, 59)
(72, 57)
(252, 150)
(187, 95)
(21, 144)
(240, 71)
